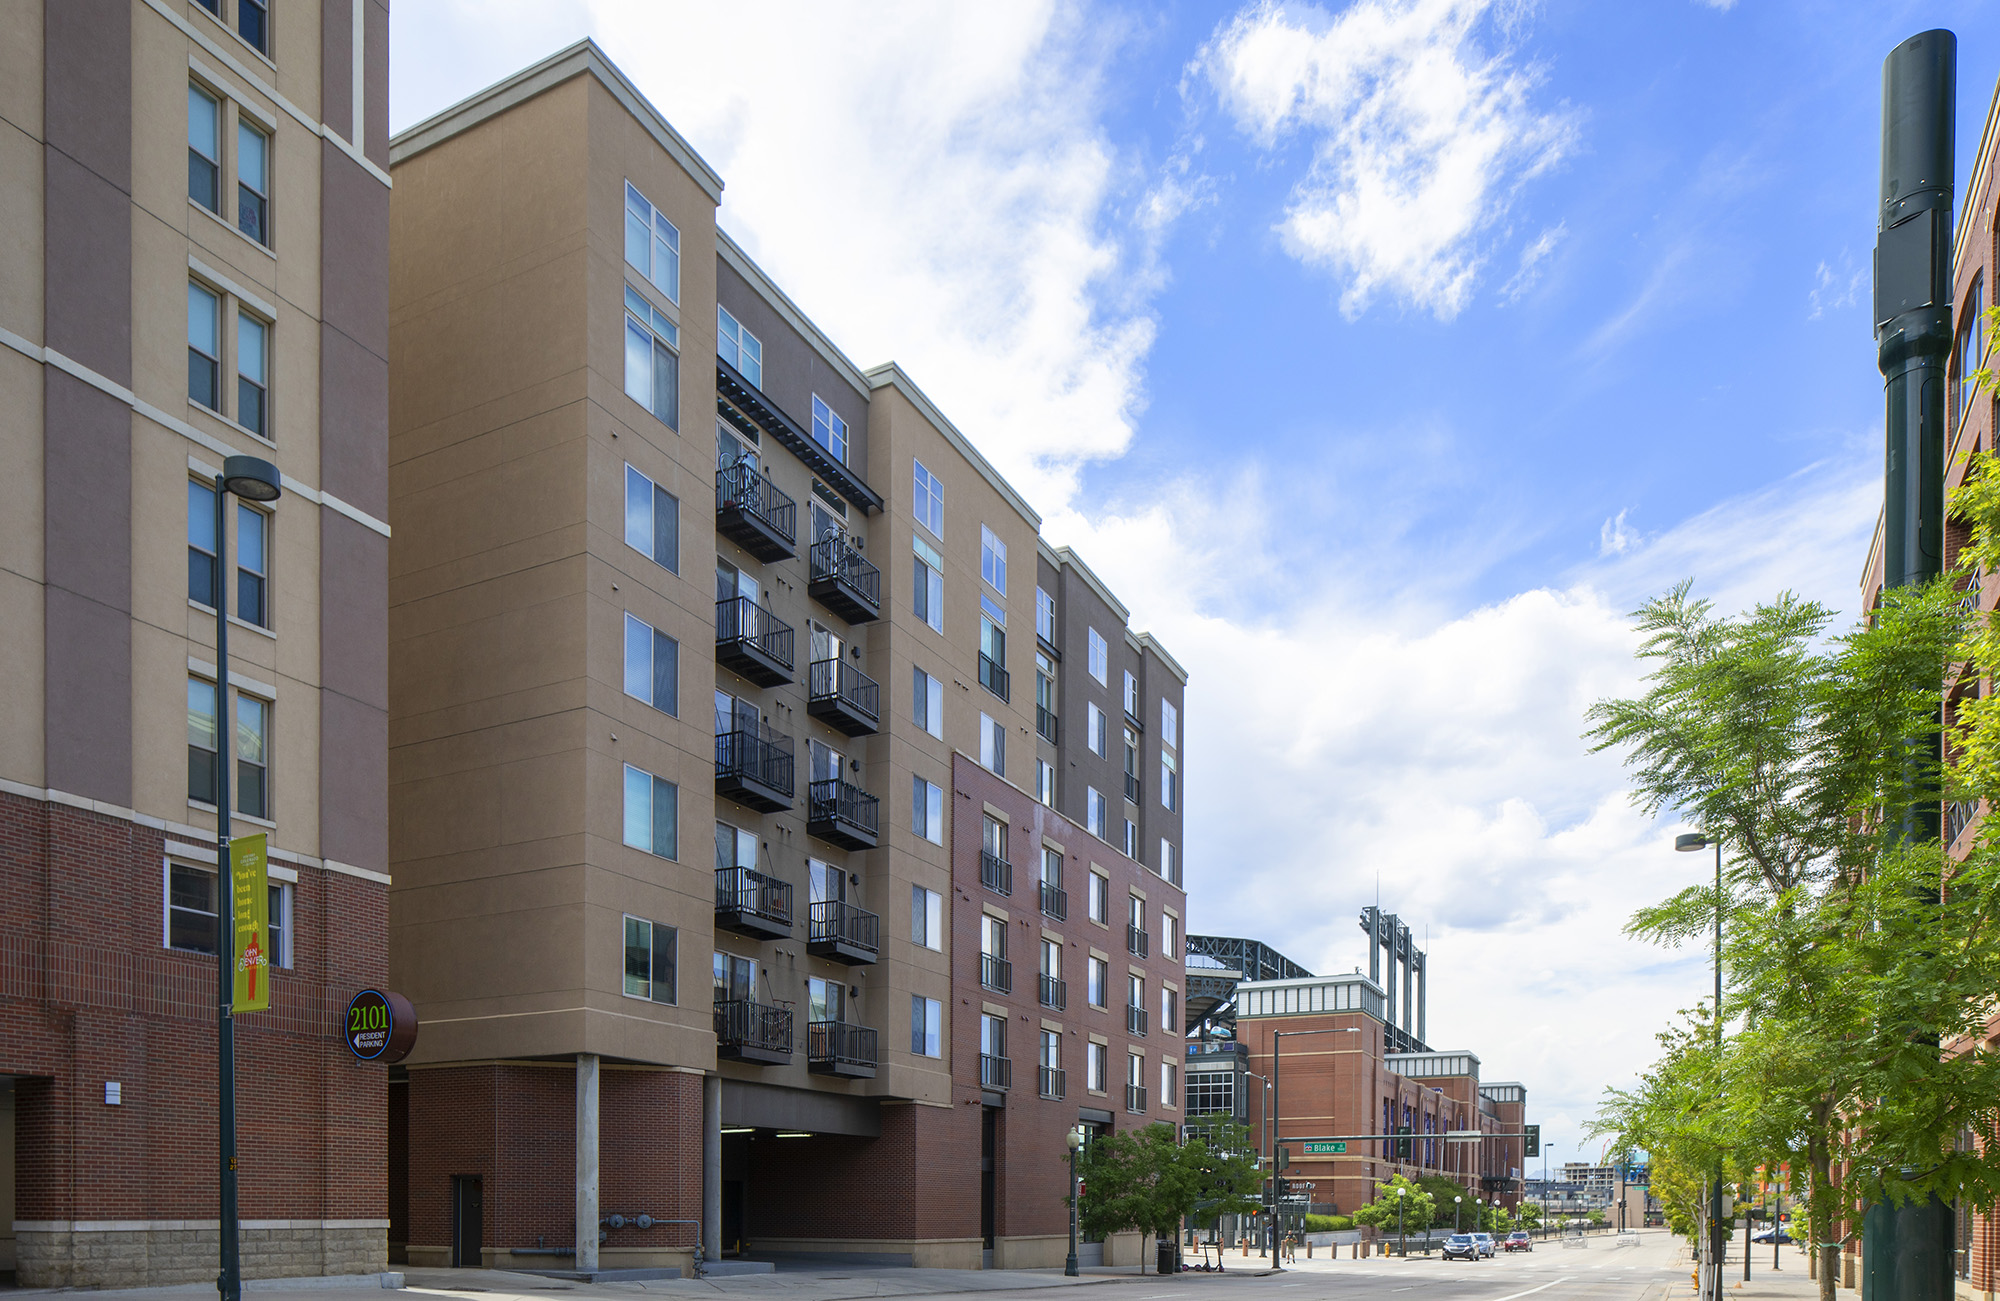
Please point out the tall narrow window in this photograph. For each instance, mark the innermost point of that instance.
(652, 808)
(204, 149)
(1100, 659)
(927, 918)
(739, 347)
(1170, 779)
(652, 520)
(204, 348)
(202, 756)
(252, 363)
(927, 702)
(992, 560)
(829, 430)
(993, 649)
(929, 500)
(201, 543)
(1045, 782)
(992, 745)
(1094, 812)
(1170, 723)
(652, 666)
(253, 181)
(1131, 839)
(926, 810)
(652, 244)
(927, 589)
(253, 723)
(253, 24)
(1096, 733)
(652, 359)
(1045, 616)
(1131, 695)
(1170, 866)
(650, 953)
(252, 565)
(926, 1026)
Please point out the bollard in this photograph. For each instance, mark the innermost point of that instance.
(1309, 1248)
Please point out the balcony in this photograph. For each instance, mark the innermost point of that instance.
(754, 768)
(996, 973)
(1137, 942)
(1958, 815)
(1047, 724)
(1135, 1099)
(753, 642)
(843, 582)
(838, 1048)
(1055, 992)
(993, 677)
(753, 514)
(1055, 902)
(1051, 1082)
(1135, 1020)
(995, 872)
(750, 903)
(843, 814)
(1132, 788)
(752, 1032)
(845, 933)
(843, 697)
(996, 1073)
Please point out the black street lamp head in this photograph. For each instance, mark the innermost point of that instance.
(251, 478)
(1690, 841)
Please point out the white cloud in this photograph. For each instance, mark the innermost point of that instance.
(1530, 270)
(1835, 288)
(1614, 539)
(1419, 138)
(1720, 6)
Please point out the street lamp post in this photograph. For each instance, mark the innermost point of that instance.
(1402, 1238)
(1457, 1205)
(1277, 1102)
(251, 479)
(1265, 1127)
(1689, 843)
(1074, 1139)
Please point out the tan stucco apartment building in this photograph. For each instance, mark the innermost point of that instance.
(195, 200)
(691, 618)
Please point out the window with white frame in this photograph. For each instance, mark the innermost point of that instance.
(248, 354)
(927, 918)
(652, 520)
(652, 813)
(992, 745)
(253, 757)
(652, 666)
(992, 560)
(1170, 1006)
(1097, 732)
(1100, 982)
(652, 244)
(278, 913)
(650, 952)
(1045, 616)
(926, 1026)
(194, 908)
(1170, 721)
(1169, 1084)
(252, 23)
(927, 702)
(201, 543)
(201, 729)
(1131, 842)
(1170, 865)
(1100, 659)
(1170, 779)
(1095, 815)
(1098, 1072)
(1170, 935)
(926, 810)
(829, 430)
(211, 116)
(652, 359)
(1100, 898)
(1131, 695)
(253, 180)
(204, 347)
(1045, 782)
(928, 499)
(739, 347)
(205, 148)
(734, 847)
(253, 565)
(927, 588)
(252, 373)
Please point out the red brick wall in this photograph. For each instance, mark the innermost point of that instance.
(88, 994)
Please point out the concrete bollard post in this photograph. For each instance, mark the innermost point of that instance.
(1309, 1248)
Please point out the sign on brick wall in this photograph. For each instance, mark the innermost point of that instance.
(381, 1026)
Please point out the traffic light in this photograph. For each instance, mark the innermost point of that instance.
(1533, 1142)
(1403, 1144)
(1284, 1158)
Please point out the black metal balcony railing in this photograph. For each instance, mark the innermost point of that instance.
(1135, 1098)
(1051, 1082)
(750, 903)
(996, 973)
(1046, 723)
(1055, 901)
(1055, 992)
(751, 512)
(995, 872)
(1135, 1020)
(843, 582)
(1132, 788)
(753, 1032)
(995, 1072)
(840, 694)
(752, 641)
(993, 677)
(844, 814)
(842, 931)
(754, 767)
(1137, 942)
(840, 1048)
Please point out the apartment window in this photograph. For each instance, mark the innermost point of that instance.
(652, 813)
(829, 430)
(992, 1036)
(1098, 741)
(201, 728)
(252, 366)
(1170, 721)
(253, 182)
(825, 1000)
(926, 810)
(1052, 959)
(992, 560)
(1971, 346)
(739, 347)
(253, 21)
(193, 908)
(927, 918)
(926, 1026)
(253, 765)
(204, 149)
(1170, 930)
(735, 979)
(1170, 866)
(1100, 982)
(993, 838)
(734, 847)
(649, 960)
(992, 745)
(928, 499)
(1169, 780)
(1100, 659)
(1045, 782)
(652, 666)
(1051, 1051)
(1135, 992)
(927, 702)
(201, 543)
(253, 536)
(1052, 867)
(1098, 1070)
(1170, 1008)
(1045, 616)
(278, 912)
(1135, 912)
(1100, 898)
(993, 937)
(652, 520)
(204, 348)
(652, 244)
(1131, 841)
(1169, 1083)
(1131, 765)
(652, 359)
(1094, 811)
(1131, 695)
(927, 593)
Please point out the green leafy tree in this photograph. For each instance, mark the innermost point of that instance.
(1146, 1179)
(1410, 1212)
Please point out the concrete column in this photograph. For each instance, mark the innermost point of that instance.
(586, 1161)
(711, 1167)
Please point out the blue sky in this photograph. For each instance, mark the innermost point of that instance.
(1381, 355)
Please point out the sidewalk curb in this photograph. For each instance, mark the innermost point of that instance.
(311, 1283)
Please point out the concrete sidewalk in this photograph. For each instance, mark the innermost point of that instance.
(816, 1284)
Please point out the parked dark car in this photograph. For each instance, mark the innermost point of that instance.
(1777, 1235)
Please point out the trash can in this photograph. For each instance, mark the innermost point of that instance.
(1166, 1256)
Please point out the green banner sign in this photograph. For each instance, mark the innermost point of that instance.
(250, 887)
(1326, 1149)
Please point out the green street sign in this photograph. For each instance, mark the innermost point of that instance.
(1326, 1149)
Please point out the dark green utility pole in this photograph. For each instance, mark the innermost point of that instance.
(1906, 1249)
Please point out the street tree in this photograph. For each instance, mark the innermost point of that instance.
(1146, 1179)
(1399, 1206)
